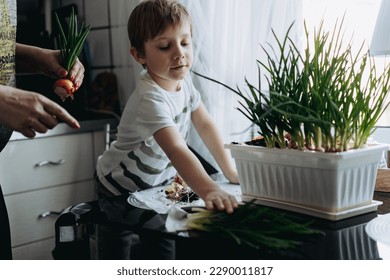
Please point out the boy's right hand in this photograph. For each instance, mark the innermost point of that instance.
(220, 200)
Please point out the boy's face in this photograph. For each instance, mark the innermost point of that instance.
(168, 56)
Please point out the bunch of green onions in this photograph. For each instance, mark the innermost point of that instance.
(318, 97)
(72, 43)
(252, 225)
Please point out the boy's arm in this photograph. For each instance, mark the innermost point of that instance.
(211, 137)
(192, 171)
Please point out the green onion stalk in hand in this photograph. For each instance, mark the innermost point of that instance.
(70, 46)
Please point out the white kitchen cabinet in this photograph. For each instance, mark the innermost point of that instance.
(41, 177)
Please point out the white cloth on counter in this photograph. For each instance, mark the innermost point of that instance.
(156, 200)
(176, 220)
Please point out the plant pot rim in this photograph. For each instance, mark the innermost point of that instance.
(325, 155)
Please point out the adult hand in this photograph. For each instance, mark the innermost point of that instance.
(31, 59)
(51, 67)
(29, 112)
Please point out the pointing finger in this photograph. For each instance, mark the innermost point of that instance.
(61, 114)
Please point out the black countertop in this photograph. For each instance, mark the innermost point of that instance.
(339, 240)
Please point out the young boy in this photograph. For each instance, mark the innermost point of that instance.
(151, 143)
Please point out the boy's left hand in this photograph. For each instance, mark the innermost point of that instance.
(232, 176)
(220, 200)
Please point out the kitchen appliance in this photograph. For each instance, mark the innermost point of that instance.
(73, 230)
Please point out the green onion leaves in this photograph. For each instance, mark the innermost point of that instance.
(252, 225)
(71, 44)
(325, 97)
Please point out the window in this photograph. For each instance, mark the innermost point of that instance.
(360, 18)
(228, 50)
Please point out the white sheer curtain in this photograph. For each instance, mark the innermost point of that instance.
(227, 37)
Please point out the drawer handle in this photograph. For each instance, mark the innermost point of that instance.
(48, 213)
(49, 162)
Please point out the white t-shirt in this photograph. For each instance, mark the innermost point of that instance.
(135, 161)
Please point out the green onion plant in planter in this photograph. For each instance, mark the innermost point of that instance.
(325, 97)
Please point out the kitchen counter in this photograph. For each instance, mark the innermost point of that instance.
(344, 239)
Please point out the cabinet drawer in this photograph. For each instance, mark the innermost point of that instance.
(24, 210)
(41, 250)
(42, 162)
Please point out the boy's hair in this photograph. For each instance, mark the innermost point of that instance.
(151, 17)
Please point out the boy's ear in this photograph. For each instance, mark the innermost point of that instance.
(137, 56)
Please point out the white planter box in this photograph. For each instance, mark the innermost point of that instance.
(328, 185)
